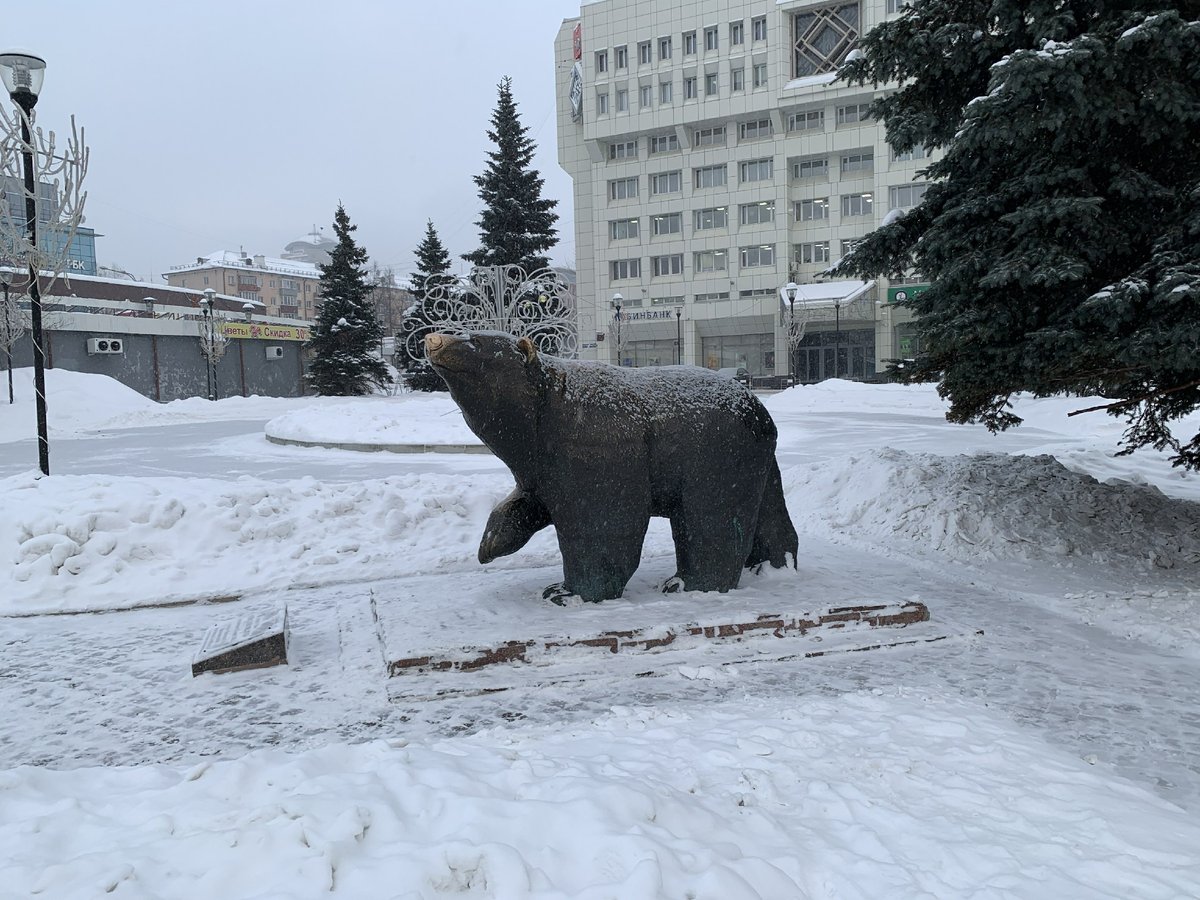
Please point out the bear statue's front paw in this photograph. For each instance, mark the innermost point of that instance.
(559, 595)
(673, 585)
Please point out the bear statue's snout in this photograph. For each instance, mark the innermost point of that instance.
(434, 342)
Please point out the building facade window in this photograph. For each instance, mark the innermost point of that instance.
(645, 53)
(860, 161)
(854, 114)
(848, 245)
(664, 92)
(666, 265)
(711, 297)
(823, 37)
(737, 79)
(917, 152)
(668, 223)
(621, 55)
(666, 182)
(712, 39)
(755, 130)
(602, 103)
(622, 229)
(664, 143)
(757, 170)
(812, 210)
(737, 33)
(624, 269)
(759, 74)
(760, 213)
(710, 176)
(812, 252)
(646, 96)
(711, 218)
(710, 261)
(622, 101)
(895, 6)
(811, 168)
(664, 48)
(857, 204)
(690, 89)
(758, 28)
(757, 256)
(689, 43)
(902, 196)
(709, 137)
(623, 188)
(622, 150)
(601, 61)
(808, 120)
(710, 84)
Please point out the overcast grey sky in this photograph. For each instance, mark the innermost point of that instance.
(241, 123)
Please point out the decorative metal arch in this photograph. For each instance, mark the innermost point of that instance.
(497, 298)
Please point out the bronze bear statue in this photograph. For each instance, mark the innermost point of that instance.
(597, 450)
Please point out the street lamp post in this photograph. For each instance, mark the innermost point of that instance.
(678, 335)
(617, 299)
(8, 338)
(791, 289)
(22, 75)
(837, 338)
(206, 310)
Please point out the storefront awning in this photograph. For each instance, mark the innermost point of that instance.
(826, 293)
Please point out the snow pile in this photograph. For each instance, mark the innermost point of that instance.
(74, 402)
(991, 506)
(894, 796)
(76, 542)
(411, 418)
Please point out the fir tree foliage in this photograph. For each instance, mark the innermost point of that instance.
(345, 340)
(517, 223)
(433, 269)
(1061, 231)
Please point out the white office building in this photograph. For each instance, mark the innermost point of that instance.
(714, 160)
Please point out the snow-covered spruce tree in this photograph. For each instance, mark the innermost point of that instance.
(345, 339)
(517, 223)
(1061, 231)
(433, 267)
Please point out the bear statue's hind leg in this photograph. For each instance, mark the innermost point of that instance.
(775, 535)
(711, 549)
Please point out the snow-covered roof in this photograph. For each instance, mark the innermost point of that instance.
(254, 262)
(826, 292)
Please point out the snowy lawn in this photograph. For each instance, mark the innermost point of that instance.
(1037, 761)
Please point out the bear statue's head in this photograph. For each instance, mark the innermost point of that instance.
(494, 378)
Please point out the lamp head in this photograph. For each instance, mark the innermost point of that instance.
(22, 75)
(790, 289)
(617, 299)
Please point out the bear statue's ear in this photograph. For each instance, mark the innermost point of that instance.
(525, 345)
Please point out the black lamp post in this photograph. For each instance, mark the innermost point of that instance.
(837, 338)
(616, 301)
(4, 278)
(793, 345)
(678, 335)
(206, 310)
(22, 75)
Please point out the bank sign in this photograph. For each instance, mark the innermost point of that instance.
(901, 294)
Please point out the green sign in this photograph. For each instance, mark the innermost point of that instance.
(907, 292)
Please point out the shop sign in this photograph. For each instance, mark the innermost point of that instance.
(575, 92)
(577, 41)
(264, 331)
(901, 294)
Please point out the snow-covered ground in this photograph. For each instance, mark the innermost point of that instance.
(1055, 755)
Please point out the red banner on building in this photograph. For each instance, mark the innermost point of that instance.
(577, 40)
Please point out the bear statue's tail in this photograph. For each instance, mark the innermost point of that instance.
(775, 536)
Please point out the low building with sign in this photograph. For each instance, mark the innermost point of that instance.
(714, 160)
(148, 337)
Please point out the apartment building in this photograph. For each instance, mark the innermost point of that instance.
(714, 160)
(286, 287)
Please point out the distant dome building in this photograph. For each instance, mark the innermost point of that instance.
(313, 248)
